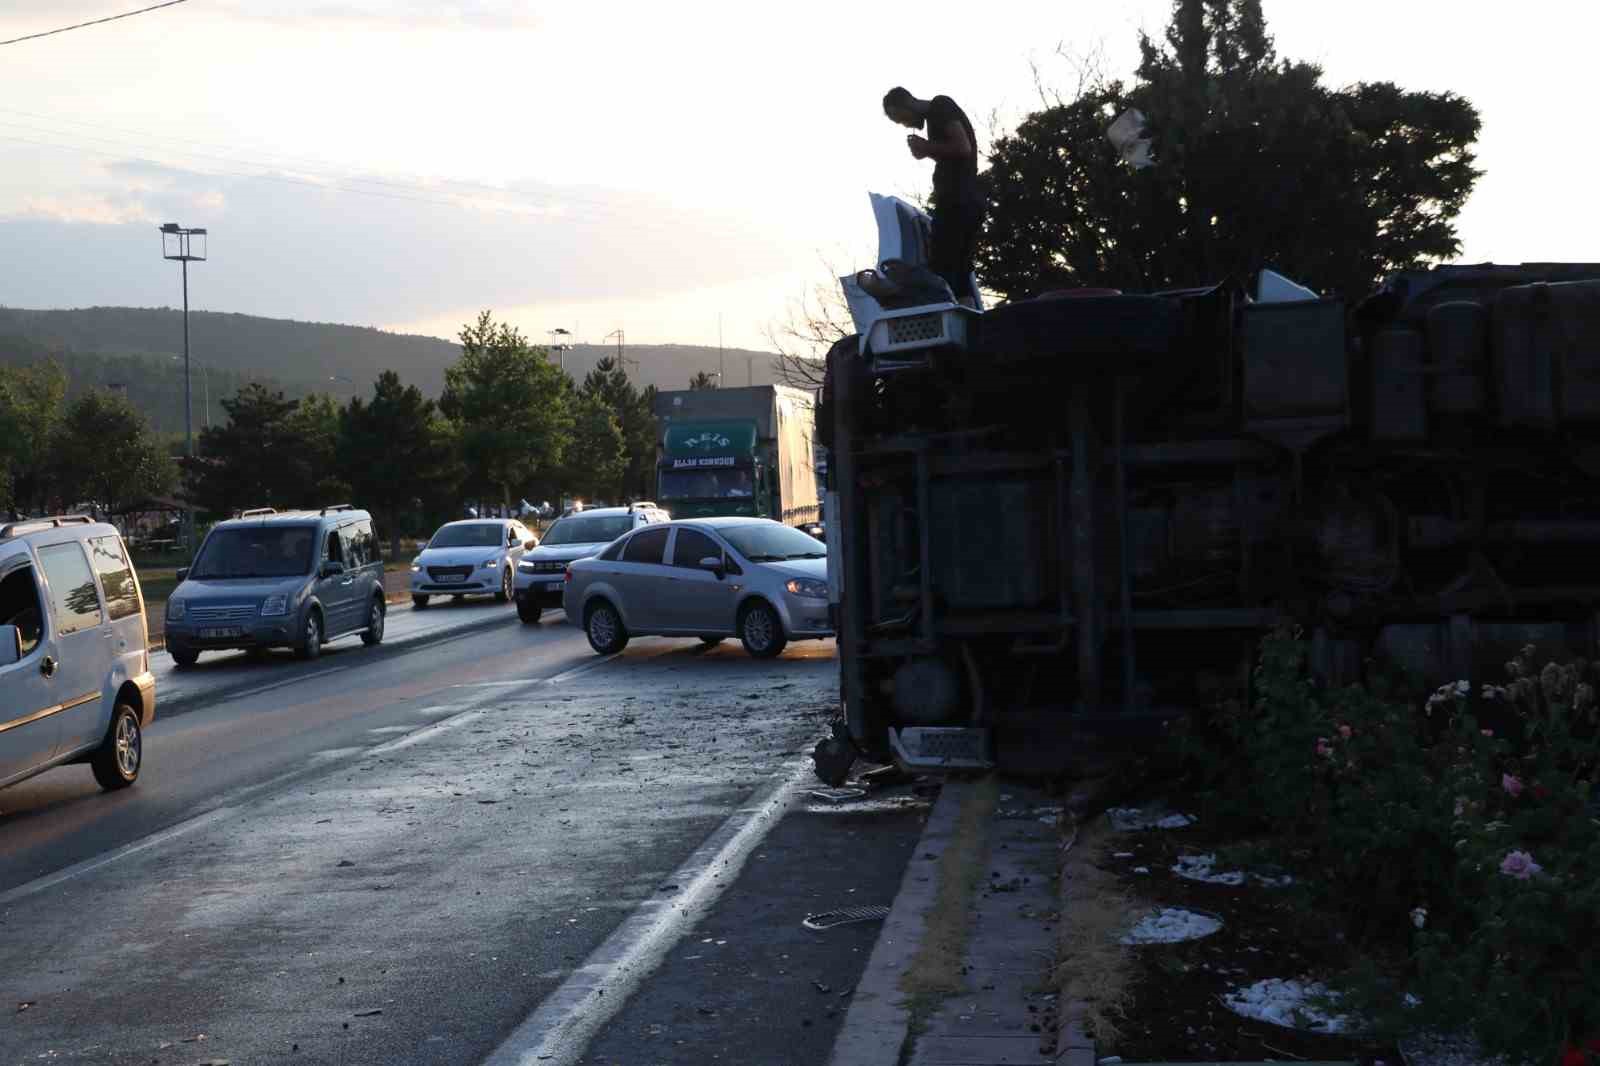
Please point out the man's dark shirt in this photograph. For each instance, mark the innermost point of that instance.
(955, 181)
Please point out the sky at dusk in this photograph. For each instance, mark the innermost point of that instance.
(641, 166)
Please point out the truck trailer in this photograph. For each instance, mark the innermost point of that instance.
(741, 451)
(1066, 521)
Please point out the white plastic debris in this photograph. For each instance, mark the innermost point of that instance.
(1203, 868)
(1133, 819)
(1171, 925)
(1285, 1003)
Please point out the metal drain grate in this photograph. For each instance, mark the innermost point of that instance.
(915, 328)
(844, 916)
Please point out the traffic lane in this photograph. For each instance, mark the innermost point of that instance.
(194, 760)
(751, 983)
(177, 688)
(417, 904)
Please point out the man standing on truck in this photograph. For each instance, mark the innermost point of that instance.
(958, 205)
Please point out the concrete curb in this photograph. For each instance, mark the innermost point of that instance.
(878, 1022)
(1074, 1047)
(414, 642)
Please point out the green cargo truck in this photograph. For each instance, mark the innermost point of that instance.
(744, 451)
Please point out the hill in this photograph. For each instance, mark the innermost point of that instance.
(136, 346)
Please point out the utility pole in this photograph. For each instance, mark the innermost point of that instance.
(622, 360)
(178, 243)
(721, 352)
(750, 370)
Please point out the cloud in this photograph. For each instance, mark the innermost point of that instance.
(368, 249)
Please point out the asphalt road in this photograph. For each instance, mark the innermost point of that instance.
(390, 856)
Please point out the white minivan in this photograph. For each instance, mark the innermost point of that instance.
(75, 681)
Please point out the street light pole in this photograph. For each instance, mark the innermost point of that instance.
(178, 243)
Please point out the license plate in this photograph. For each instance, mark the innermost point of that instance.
(220, 634)
(448, 578)
(555, 582)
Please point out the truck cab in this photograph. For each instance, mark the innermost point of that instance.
(712, 468)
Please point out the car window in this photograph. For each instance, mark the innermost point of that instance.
(255, 551)
(647, 546)
(611, 554)
(588, 529)
(354, 547)
(692, 546)
(116, 576)
(74, 601)
(469, 535)
(20, 606)
(334, 552)
(772, 542)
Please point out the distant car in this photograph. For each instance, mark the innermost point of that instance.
(712, 578)
(542, 572)
(814, 529)
(75, 681)
(473, 557)
(291, 579)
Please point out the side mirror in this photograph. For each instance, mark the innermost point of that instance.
(530, 544)
(10, 645)
(183, 573)
(332, 569)
(713, 563)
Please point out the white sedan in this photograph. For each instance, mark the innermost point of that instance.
(473, 557)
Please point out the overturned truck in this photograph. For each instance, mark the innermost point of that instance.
(1066, 520)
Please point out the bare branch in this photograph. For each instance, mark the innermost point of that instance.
(816, 320)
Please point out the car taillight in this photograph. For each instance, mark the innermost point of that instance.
(569, 573)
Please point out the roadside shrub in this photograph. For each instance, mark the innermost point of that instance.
(1458, 841)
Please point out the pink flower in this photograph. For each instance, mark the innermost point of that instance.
(1345, 731)
(1512, 785)
(1487, 732)
(1324, 749)
(1519, 864)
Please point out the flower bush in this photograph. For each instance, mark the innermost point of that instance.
(1456, 837)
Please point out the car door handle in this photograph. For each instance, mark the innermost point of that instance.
(48, 667)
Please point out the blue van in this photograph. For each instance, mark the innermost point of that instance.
(276, 579)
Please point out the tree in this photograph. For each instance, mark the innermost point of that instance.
(395, 450)
(509, 406)
(249, 461)
(313, 426)
(1255, 163)
(105, 454)
(817, 320)
(634, 410)
(598, 455)
(703, 380)
(32, 400)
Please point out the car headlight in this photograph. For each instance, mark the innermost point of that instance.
(277, 603)
(528, 568)
(811, 589)
(416, 569)
(175, 609)
(490, 564)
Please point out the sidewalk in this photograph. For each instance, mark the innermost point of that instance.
(961, 973)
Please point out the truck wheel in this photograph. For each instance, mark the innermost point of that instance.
(603, 625)
(761, 631)
(419, 602)
(528, 609)
(184, 656)
(116, 761)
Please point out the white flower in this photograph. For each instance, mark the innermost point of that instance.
(1462, 688)
(1419, 917)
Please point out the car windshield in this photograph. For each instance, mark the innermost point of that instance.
(471, 535)
(770, 542)
(269, 551)
(588, 529)
(725, 484)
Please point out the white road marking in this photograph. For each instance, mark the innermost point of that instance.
(561, 1027)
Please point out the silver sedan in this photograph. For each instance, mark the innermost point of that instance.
(759, 580)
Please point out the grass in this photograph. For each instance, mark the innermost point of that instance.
(935, 970)
(1094, 969)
